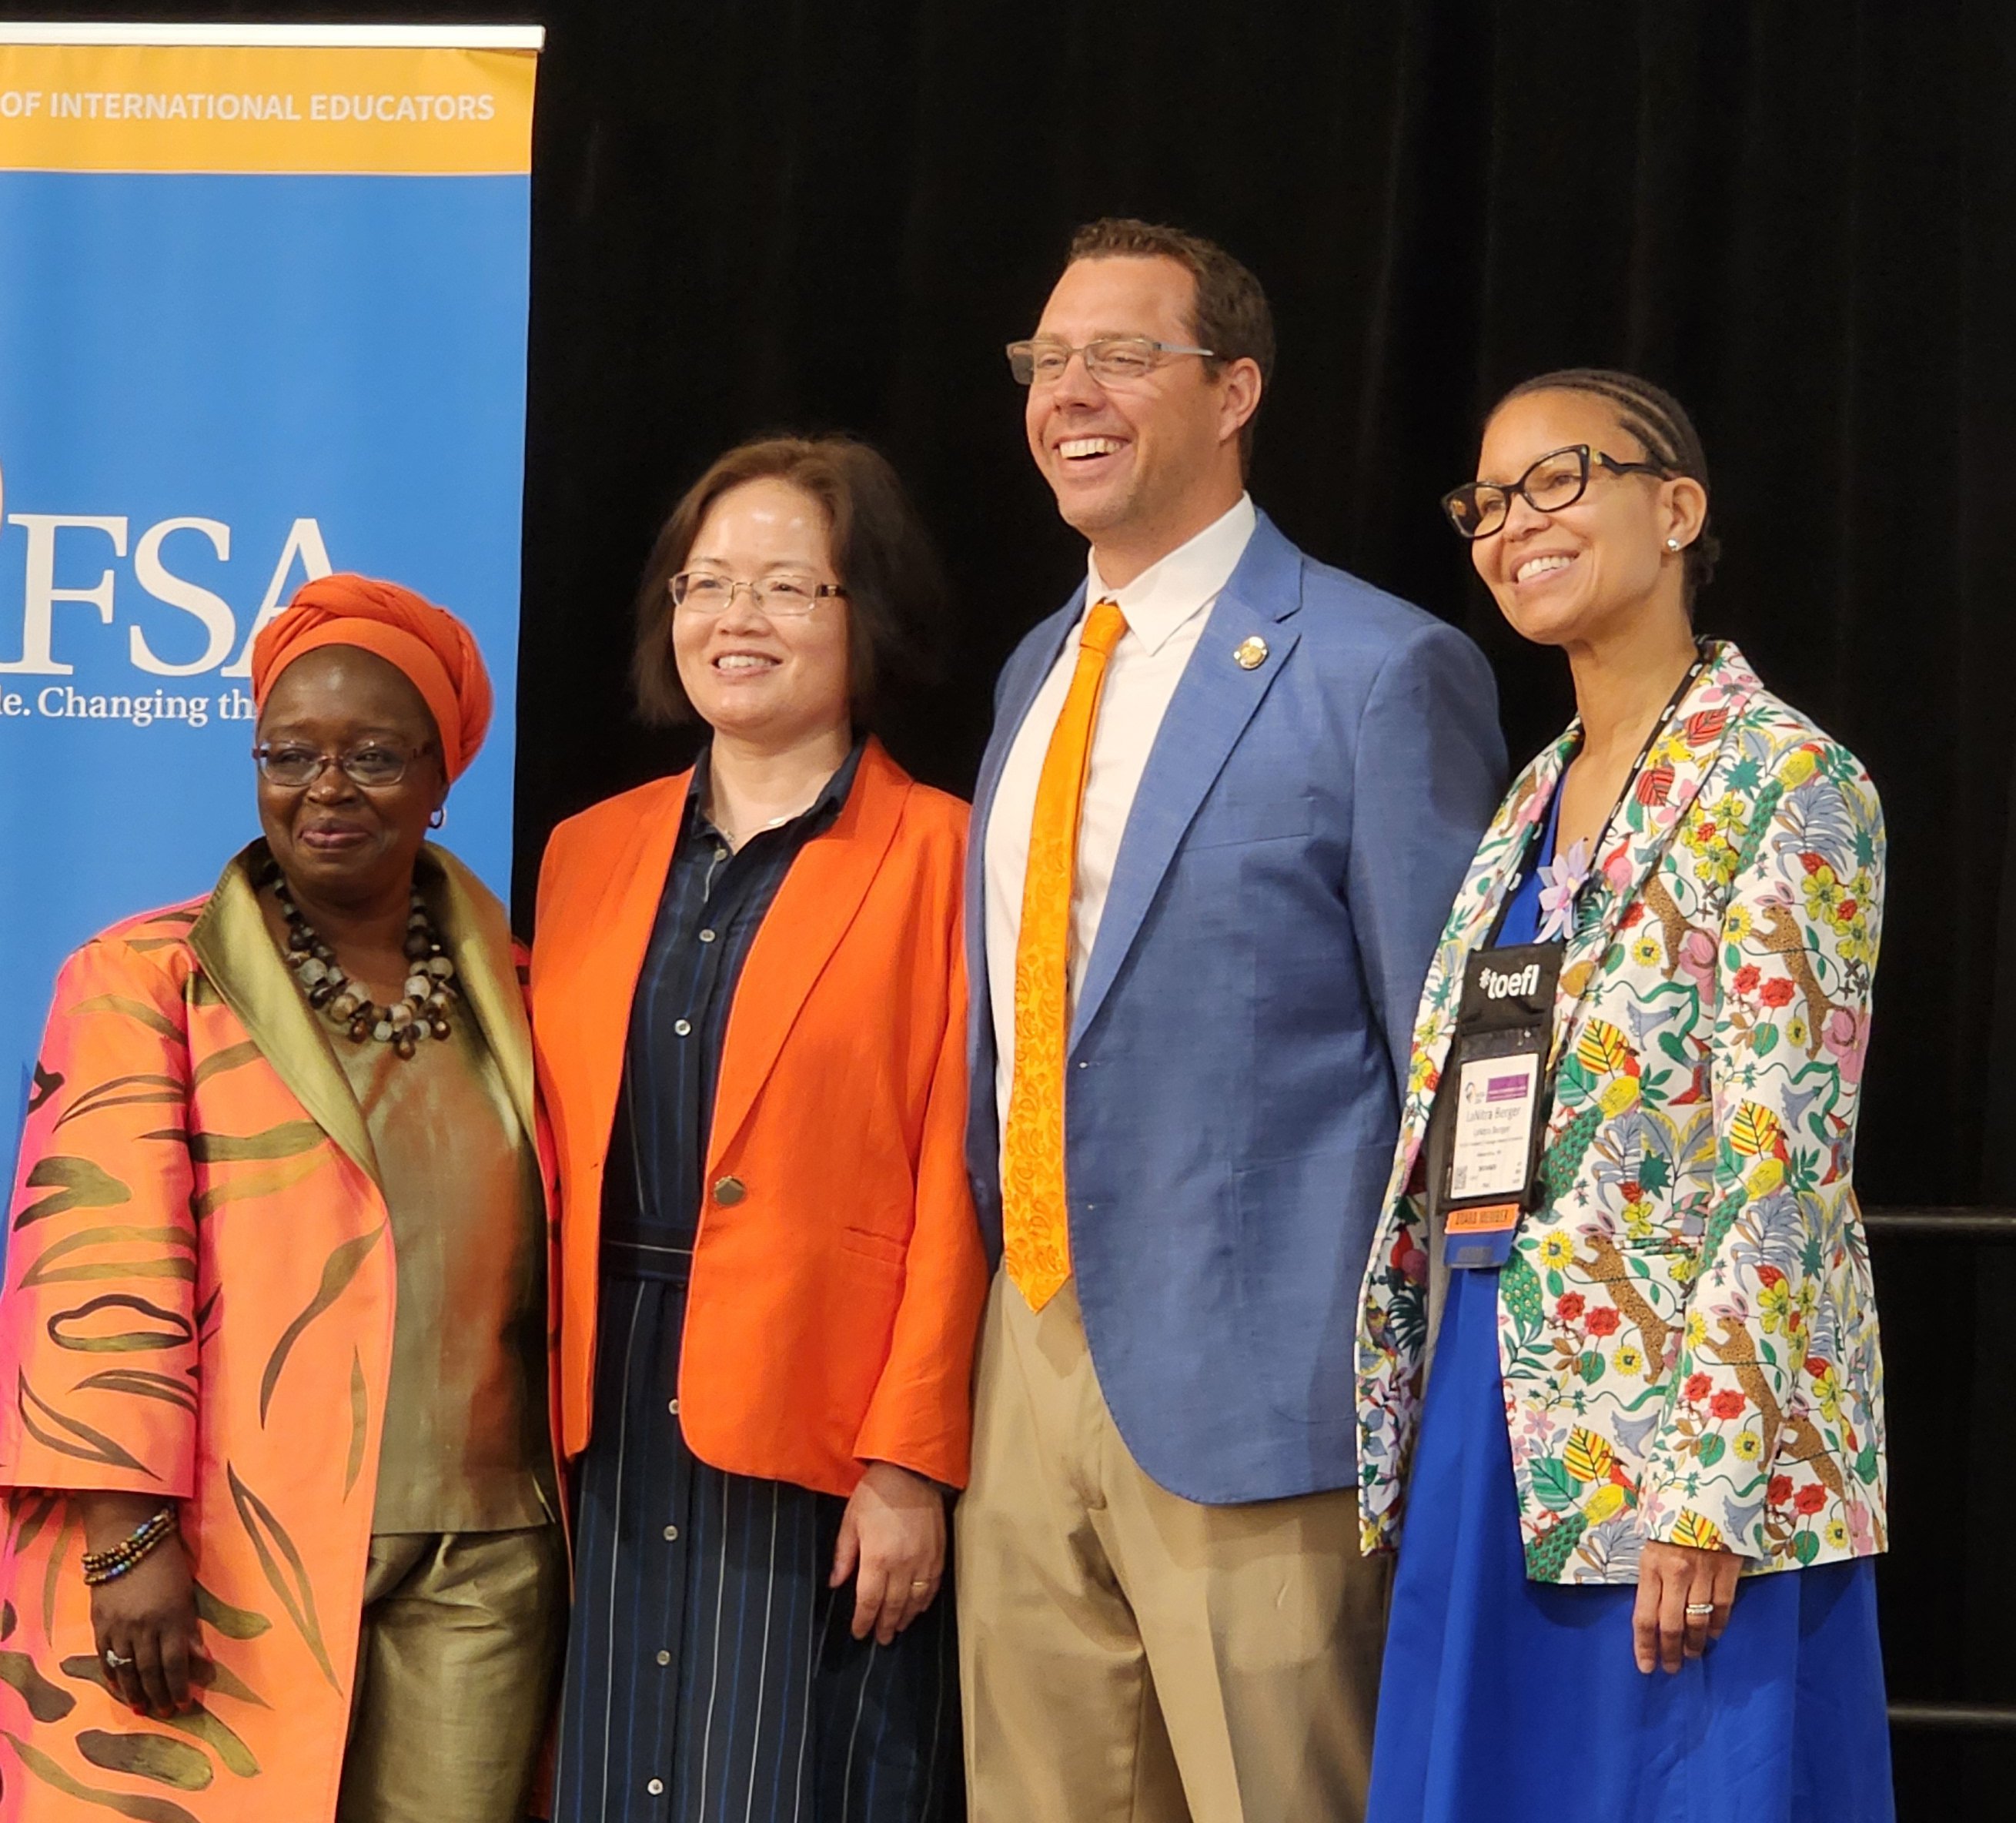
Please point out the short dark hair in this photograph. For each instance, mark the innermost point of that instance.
(1660, 423)
(1230, 313)
(896, 593)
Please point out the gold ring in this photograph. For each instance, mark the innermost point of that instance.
(924, 1584)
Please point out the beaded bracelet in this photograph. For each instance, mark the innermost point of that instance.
(106, 1566)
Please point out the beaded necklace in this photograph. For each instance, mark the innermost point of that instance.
(429, 980)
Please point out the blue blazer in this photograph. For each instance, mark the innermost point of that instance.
(1240, 1045)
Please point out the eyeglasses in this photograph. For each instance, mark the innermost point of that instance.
(1478, 508)
(1109, 358)
(373, 765)
(703, 592)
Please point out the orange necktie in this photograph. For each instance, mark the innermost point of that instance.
(1036, 1236)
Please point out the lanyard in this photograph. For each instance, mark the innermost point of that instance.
(1492, 1105)
(1484, 1163)
(1704, 652)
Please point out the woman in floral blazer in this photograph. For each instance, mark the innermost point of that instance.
(1674, 1380)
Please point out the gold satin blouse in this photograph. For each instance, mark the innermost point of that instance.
(465, 1444)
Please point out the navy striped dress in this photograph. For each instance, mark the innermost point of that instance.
(711, 1674)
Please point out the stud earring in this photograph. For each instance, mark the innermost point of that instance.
(1673, 544)
(439, 817)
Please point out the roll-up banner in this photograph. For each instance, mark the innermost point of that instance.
(262, 316)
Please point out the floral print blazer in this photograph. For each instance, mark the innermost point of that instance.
(1687, 1330)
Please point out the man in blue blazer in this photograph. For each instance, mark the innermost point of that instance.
(1230, 795)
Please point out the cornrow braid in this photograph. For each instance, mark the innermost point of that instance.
(1660, 423)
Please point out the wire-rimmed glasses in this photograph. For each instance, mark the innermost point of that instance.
(292, 764)
(1042, 362)
(708, 593)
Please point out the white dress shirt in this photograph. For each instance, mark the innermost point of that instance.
(1166, 606)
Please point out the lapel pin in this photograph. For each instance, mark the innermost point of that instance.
(1250, 653)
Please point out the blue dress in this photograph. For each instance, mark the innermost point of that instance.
(1503, 1700)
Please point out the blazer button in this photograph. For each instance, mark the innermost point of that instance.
(729, 1191)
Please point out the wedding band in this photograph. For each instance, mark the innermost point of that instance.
(924, 1584)
(1699, 1610)
(113, 1662)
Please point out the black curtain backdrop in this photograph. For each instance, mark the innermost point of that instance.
(759, 213)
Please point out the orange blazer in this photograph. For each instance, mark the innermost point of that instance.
(837, 1275)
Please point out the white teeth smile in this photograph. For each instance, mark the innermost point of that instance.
(742, 661)
(1075, 448)
(1539, 566)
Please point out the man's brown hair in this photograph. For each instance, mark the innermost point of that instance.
(896, 594)
(1230, 315)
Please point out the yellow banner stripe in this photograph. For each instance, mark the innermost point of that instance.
(281, 109)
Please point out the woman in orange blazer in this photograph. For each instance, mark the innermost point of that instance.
(749, 1010)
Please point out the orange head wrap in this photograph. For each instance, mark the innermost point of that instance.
(434, 650)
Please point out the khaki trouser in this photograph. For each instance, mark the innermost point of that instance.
(1130, 1656)
(460, 1643)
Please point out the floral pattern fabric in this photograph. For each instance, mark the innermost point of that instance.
(1687, 1329)
(1560, 885)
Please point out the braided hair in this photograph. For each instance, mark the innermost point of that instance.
(1660, 424)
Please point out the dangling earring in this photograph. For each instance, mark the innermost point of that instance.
(1673, 544)
(439, 817)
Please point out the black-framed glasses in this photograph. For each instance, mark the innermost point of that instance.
(708, 592)
(374, 765)
(1559, 478)
(1043, 362)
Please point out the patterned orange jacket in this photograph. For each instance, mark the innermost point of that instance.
(199, 1304)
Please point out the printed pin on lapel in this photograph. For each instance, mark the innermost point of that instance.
(1251, 652)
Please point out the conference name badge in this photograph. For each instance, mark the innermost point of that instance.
(1498, 1089)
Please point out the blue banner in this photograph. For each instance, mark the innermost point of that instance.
(305, 353)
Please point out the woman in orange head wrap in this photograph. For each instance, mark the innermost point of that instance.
(433, 651)
(276, 1306)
